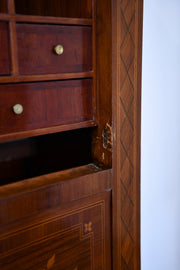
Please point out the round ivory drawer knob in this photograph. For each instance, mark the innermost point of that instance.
(18, 109)
(59, 49)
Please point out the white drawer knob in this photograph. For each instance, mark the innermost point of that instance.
(59, 49)
(18, 109)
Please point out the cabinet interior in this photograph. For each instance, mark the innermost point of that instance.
(3, 6)
(27, 158)
(39, 152)
(55, 8)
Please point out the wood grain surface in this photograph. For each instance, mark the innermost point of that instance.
(4, 44)
(126, 61)
(45, 104)
(3, 6)
(36, 49)
(75, 235)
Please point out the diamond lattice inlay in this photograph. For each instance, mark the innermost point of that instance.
(127, 95)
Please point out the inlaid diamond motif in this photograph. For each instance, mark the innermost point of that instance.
(129, 11)
(127, 94)
(127, 103)
(127, 173)
(127, 51)
(127, 248)
(126, 134)
(127, 210)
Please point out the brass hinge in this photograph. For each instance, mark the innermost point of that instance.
(107, 137)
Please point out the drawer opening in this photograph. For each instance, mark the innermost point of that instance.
(55, 8)
(36, 156)
(40, 155)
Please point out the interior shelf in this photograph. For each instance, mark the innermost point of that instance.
(46, 77)
(43, 19)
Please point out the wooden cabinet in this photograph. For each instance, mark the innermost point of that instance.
(70, 81)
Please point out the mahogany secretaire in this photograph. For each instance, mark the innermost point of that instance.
(70, 84)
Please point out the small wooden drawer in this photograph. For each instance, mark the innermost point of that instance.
(44, 104)
(4, 45)
(38, 51)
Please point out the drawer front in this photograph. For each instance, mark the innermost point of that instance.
(36, 48)
(4, 45)
(44, 104)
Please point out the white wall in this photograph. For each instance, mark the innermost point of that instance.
(160, 160)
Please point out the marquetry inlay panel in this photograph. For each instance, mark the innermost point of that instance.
(58, 239)
(127, 103)
(127, 58)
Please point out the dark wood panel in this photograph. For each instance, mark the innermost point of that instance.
(3, 6)
(62, 250)
(59, 8)
(72, 236)
(45, 104)
(4, 44)
(36, 48)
